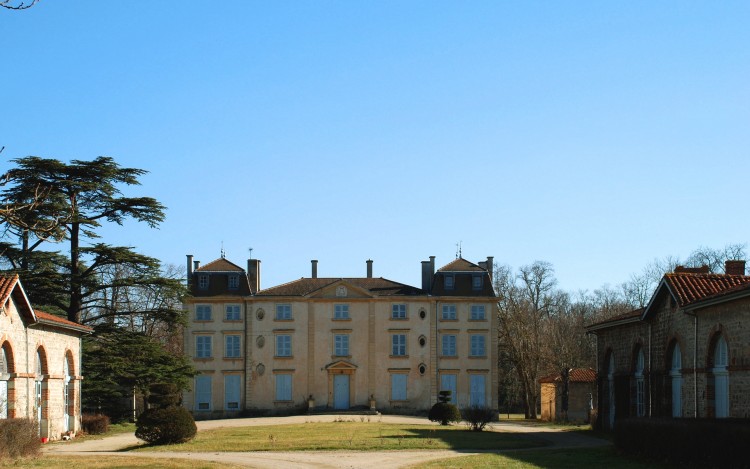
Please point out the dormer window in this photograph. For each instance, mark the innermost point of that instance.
(203, 281)
(449, 282)
(234, 282)
(476, 282)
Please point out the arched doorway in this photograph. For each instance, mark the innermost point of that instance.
(611, 390)
(68, 393)
(6, 368)
(40, 391)
(720, 374)
(675, 376)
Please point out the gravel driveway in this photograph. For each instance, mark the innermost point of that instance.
(315, 459)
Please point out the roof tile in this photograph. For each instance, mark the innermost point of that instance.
(376, 286)
(693, 287)
(220, 265)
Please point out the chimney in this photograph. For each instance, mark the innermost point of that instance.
(189, 270)
(197, 264)
(369, 268)
(734, 267)
(314, 268)
(490, 265)
(253, 274)
(428, 272)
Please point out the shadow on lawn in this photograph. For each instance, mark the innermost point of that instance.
(467, 440)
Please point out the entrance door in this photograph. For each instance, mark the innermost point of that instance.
(341, 392)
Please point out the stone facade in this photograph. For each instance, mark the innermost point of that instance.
(687, 354)
(581, 396)
(340, 343)
(40, 364)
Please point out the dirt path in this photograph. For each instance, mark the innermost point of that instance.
(315, 459)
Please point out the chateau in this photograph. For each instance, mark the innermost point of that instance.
(339, 343)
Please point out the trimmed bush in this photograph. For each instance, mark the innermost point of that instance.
(19, 438)
(685, 442)
(477, 417)
(95, 424)
(444, 412)
(164, 395)
(166, 426)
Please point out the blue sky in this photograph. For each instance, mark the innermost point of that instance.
(594, 135)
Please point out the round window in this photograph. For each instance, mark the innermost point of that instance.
(260, 341)
(422, 341)
(422, 368)
(260, 314)
(422, 314)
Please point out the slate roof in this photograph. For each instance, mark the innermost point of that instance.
(689, 288)
(461, 265)
(577, 375)
(220, 265)
(376, 286)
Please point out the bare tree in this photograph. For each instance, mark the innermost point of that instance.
(13, 5)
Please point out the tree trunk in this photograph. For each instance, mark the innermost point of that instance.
(76, 295)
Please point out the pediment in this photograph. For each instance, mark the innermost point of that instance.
(341, 365)
(342, 289)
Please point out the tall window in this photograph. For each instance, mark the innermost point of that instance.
(449, 345)
(477, 313)
(398, 345)
(203, 346)
(398, 386)
(232, 385)
(234, 282)
(449, 282)
(341, 345)
(448, 383)
(721, 377)
(232, 313)
(284, 312)
(283, 345)
(477, 346)
(232, 346)
(203, 312)
(202, 393)
(477, 391)
(640, 384)
(675, 374)
(476, 282)
(398, 311)
(449, 312)
(203, 281)
(340, 311)
(283, 387)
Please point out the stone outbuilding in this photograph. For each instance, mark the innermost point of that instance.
(40, 363)
(580, 395)
(686, 354)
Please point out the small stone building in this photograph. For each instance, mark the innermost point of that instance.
(581, 395)
(40, 363)
(686, 354)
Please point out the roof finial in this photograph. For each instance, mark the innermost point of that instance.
(458, 250)
(222, 250)
(250, 250)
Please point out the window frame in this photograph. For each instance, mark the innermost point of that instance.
(203, 281)
(227, 388)
(477, 282)
(398, 345)
(237, 346)
(280, 348)
(474, 314)
(445, 343)
(341, 311)
(281, 380)
(402, 381)
(341, 345)
(203, 312)
(230, 315)
(477, 343)
(398, 311)
(233, 282)
(283, 312)
(206, 349)
(449, 282)
(200, 394)
(452, 315)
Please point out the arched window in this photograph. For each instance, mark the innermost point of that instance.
(39, 400)
(640, 384)
(721, 377)
(68, 392)
(4, 375)
(675, 375)
(611, 389)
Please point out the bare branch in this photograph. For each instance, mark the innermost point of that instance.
(20, 6)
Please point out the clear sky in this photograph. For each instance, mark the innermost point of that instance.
(594, 135)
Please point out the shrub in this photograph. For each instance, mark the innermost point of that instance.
(18, 438)
(95, 424)
(444, 412)
(685, 442)
(164, 395)
(477, 417)
(165, 426)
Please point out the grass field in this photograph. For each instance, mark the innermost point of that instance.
(361, 436)
(111, 462)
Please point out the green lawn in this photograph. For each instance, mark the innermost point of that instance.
(362, 436)
(583, 458)
(111, 462)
